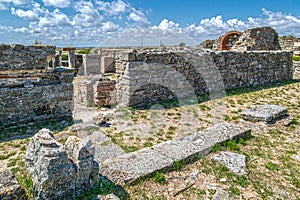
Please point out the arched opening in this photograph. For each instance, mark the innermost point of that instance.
(229, 39)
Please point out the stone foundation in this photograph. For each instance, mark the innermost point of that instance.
(31, 88)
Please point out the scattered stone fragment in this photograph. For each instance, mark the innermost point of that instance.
(287, 121)
(9, 186)
(223, 180)
(54, 174)
(223, 195)
(266, 113)
(296, 157)
(108, 197)
(103, 117)
(233, 161)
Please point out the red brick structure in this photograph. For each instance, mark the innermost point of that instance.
(231, 35)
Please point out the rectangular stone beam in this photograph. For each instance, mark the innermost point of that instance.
(127, 168)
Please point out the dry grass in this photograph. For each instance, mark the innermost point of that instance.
(274, 174)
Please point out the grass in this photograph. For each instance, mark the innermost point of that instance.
(296, 58)
(268, 151)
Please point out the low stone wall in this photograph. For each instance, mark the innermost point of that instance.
(31, 89)
(151, 76)
(296, 70)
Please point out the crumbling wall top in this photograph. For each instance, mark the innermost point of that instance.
(19, 57)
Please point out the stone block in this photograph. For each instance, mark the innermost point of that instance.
(233, 161)
(60, 172)
(128, 167)
(266, 113)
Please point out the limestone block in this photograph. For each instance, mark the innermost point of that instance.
(53, 174)
(233, 161)
(266, 113)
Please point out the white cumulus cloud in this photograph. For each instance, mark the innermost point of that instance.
(138, 17)
(113, 8)
(28, 14)
(57, 3)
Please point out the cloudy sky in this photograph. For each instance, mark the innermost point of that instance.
(137, 22)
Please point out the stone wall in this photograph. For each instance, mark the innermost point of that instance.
(31, 89)
(151, 76)
(90, 64)
(94, 90)
(260, 38)
(289, 43)
(296, 70)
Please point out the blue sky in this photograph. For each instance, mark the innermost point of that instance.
(136, 22)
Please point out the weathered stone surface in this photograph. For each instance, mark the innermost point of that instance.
(199, 144)
(81, 151)
(233, 161)
(260, 38)
(161, 75)
(223, 195)
(94, 90)
(296, 70)
(30, 89)
(54, 174)
(128, 167)
(108, 197)
(103, 117)
(104, 148)
(9, 186)
(266, 113)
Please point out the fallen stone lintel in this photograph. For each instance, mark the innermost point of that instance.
(127, 168)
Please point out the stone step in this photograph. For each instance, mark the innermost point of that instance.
(126, 168)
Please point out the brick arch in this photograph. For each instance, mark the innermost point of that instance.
(226, 37)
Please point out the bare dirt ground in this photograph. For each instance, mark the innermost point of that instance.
(273, 169)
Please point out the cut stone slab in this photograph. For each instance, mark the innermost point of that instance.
(266, 113)
(126, 168)
(199, 144)
(9, 186)
(129, 167)
(233, 161)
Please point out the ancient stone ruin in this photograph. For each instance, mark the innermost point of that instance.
(34, 88)
(31, 89)
(61, 171)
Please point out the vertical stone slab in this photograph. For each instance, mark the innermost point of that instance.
(53, 174)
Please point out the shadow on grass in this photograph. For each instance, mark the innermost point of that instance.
(105, 187)
(172, 103)
(22, 131)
